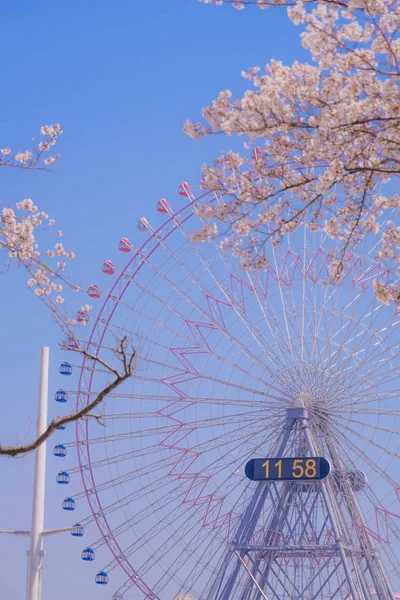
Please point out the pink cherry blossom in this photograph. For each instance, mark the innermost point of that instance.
(205, 233)
(34, 158)
(23, 228)
(322, 138)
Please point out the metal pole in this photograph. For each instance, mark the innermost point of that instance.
(36, 546)
(27, 575)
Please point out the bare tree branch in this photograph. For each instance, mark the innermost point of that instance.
(127, 361)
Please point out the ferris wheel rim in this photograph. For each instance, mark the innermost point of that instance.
(92, 490)
(117, 552)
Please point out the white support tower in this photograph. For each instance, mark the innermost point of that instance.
(37, 532)
(35, 573)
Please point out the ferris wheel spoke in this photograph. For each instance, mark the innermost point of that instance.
(307, 348)
(312, 324)
(326, 364)
(197, 541)
(210, 444)
(303, 303)
(137, 495)
(224, 401)
(235, 386)
(154, 320)
(210, 378)
(379, 372)
(222, 359)
(227, 294)
(371, 464)
(374, 340)
(118, 458)
(349, 308)
(151, 507)
(184, 426)
(374, 426)
(385, 377)
(171, 541)
(371, 398)
(329, 308)
(348, 328)
(226, 362)
(155, 466)
(153, 532)
(142, 494)
(362, 398)
(145, 541)
(354, 449)
(371, 442)
(277, 334)
(289, 340)
(270, 318)
(192, 574)
(315, 323)
(154, 448)
(207, 316)
(371, 411)
(366, 378)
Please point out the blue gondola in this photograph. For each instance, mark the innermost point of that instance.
(62, 477)
(61, 427)
(65, 369)
(60, 450)
(77, 530)
(87, 554)
(101, 578)
(71, 343)
(69, 504)
(61, 396)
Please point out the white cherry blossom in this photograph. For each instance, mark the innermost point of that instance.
(23, 226)
(323, 136)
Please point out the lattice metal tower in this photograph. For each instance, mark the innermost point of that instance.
(303, 541)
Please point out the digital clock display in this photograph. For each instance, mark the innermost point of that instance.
(304, 468)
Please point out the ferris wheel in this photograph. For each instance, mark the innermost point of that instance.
(236, 367)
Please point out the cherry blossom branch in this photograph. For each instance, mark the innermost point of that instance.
(339, 112)
(128, 363)
(272, 3)
(29, 159)
(19, 227)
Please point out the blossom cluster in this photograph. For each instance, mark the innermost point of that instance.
(205, 233)
(324, 136)
(31, 159)
(21, 227)
(18, 239)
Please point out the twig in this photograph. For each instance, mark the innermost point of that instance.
(128, 366)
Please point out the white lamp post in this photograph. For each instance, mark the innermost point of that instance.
(36, 534)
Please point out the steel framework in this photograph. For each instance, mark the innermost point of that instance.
(308, 542)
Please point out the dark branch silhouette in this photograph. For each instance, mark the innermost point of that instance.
(127, 361)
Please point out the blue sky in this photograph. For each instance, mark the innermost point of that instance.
(121, 78)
